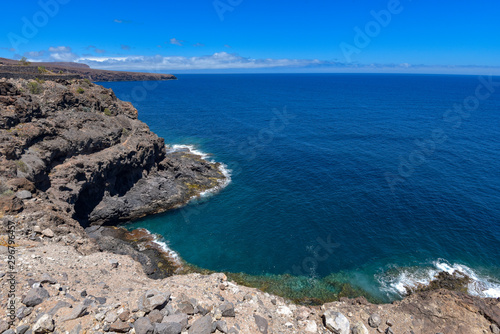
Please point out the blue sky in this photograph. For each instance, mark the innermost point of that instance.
(415, 36)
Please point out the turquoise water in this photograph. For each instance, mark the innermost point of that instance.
(366, 179)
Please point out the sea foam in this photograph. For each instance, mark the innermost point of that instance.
(161, 241)
(396, 281)
(205, 156)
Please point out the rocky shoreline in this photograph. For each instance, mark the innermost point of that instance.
(74, 162)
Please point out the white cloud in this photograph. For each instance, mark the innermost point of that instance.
(34, 54)
(59, 49)
(62, 53)
(176, 41)
(220, 60)
(234, 62)
(122, 21)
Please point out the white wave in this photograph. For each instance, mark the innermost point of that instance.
(221, 184)
(160, 241)
(188, 148)
(481, 286)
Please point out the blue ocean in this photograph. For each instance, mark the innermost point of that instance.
(370, 181)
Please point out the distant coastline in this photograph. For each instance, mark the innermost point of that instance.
(14, 69)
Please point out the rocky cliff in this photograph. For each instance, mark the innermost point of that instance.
(86, 159)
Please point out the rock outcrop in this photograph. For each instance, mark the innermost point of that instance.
(73, 152)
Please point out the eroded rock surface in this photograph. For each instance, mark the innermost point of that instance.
(75, 151)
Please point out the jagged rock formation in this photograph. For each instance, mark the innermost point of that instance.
(85, 157)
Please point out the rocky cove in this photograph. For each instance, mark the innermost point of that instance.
(74, 162)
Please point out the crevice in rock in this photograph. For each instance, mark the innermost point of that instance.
(124, 181)
(90, 196)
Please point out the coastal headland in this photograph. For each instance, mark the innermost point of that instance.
(75, 162)
(10, 68)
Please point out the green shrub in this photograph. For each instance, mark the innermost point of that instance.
(4, 190)
(88, 82)
(80, 90)
(42, 69)
(21, 166)
(107, 112)
(24, 61)
(34, 87)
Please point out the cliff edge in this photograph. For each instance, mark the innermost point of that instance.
(85, 159)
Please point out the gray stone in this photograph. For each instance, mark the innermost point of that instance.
(168, 309)
(152, 299)
(111, 317)
(23, 194)
(261, 323)
(374, 320)
(101, 300)
(143, 326)
(46, 278)
(59, 305)
(125, 315)
(389, 331)
(494, 329)
(155, 316)
(79, 311)
(359, 328)
(168, 328)
(201, 326)
(4, 325)
(202, 310)
(119, 327)
(9, 331)
(23, 312)
(227, 309)
(389, 323)
(44, 325)
(185, 307)
(48, 233)
(88, 302)
(35, 296)
(336, 322)
(22, 329)
(179, 318)
(221, 325)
